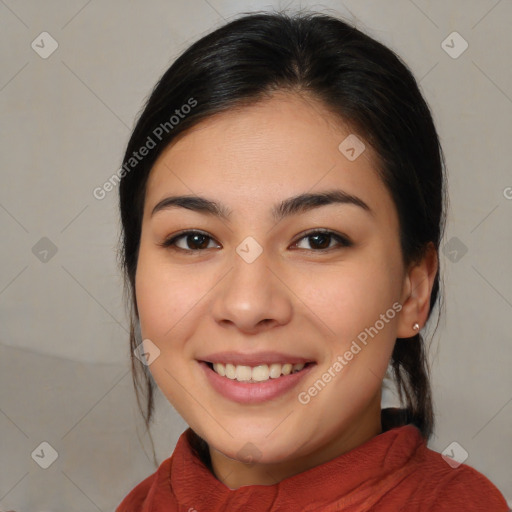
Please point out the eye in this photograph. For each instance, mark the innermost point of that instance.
(194, 241)
(321, 240)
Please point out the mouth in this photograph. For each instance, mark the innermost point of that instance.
(258, 373)
(256, 381)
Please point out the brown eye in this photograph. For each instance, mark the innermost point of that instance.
(321, 241)
(193, 241)
(196, 241)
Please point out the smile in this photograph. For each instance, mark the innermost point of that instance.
(260, 373)
(255, 383)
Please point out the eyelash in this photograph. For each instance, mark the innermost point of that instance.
(342, 241)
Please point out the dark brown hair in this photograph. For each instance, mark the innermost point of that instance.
(359, 80)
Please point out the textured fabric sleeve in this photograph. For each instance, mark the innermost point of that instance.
(470, 491)
(134, 501)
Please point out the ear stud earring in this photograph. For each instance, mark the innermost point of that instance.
(416, 326)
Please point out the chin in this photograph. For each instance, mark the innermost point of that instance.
(257, 448)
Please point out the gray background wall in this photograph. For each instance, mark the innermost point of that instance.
(64, 374)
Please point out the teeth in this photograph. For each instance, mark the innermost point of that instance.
(230, 371)
(243, 373)
(258, 373)
(220, 369)
(275, 371)
(286, 369)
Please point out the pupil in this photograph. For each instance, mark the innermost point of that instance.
(195, 238)
(323, 237)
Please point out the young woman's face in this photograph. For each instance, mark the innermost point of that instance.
(262, 288)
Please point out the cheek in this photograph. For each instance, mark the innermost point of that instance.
(350, 298)
(164, 296)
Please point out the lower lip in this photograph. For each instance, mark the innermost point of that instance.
(253, 392)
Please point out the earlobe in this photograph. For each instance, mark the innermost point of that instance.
(416, 294)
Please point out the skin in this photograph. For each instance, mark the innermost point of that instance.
(294, 298)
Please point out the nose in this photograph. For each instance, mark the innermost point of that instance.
(253, 297)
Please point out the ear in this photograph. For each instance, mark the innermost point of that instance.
(416, 292)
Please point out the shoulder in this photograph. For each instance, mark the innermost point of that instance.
(458, 488)
(134, 500)
(156, 491)
(141, 497)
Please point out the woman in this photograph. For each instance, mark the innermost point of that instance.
(282, 204)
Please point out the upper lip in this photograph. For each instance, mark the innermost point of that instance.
(254, 359)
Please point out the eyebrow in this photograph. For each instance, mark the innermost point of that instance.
(291, 206)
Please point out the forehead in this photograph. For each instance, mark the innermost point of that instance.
(263, 153)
